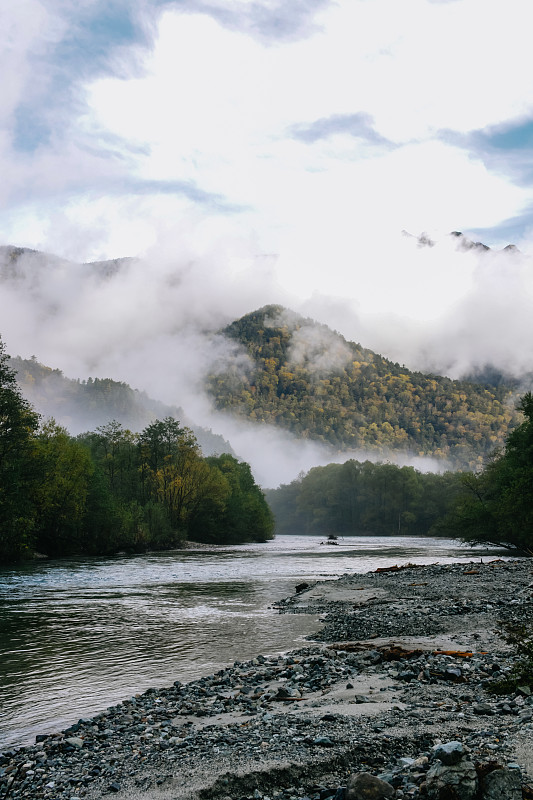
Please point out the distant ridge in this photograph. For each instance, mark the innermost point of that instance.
(81, 406)
(13, 260)
(309, 380)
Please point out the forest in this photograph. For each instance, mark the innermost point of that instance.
(496, 505)
(490, 506)
(112, 490)
(306, 378)
(366, 498)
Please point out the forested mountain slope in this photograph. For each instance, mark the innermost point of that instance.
(84, 405)
(308, 379)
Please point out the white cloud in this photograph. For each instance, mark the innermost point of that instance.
(213, 108)
(29, 29)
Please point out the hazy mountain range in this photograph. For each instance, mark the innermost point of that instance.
(286, 391)
(80, 406)
(303, 377)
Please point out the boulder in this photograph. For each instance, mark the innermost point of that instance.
(450, 752)
(364, 786)
(452, 782)
(74, 741)
(502, 784)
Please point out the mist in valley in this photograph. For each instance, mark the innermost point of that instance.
(155, 324)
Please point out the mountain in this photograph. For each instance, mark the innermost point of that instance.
(15, 262)
(463, 243)
(81, 406)
(306, 378)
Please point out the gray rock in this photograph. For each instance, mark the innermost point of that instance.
(406, 761)
(450, 752)
(75, 741)
(483, 709)
(364, 786)
(502, 784)
(453, 673)
(455, 782)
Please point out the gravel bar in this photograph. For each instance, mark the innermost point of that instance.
(390, 699)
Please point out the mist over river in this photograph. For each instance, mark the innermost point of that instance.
(79, 635)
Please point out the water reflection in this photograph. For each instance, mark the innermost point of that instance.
(77, 636)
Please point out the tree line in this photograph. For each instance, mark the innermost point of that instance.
(364, 498)
(112, 490)
(496, 504)
(491, 506)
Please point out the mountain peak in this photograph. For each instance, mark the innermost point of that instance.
(306, 378)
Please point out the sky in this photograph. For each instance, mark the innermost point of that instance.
(253, 152)
(266, 121)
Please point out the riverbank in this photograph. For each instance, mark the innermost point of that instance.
(298, 725)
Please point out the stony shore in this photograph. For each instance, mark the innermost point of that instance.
(391, 699)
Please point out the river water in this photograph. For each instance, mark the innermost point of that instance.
(79, 635)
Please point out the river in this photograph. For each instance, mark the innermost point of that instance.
(79, 635)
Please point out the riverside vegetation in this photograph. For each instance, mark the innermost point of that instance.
(112, 490)
(491, 506)
(85, 405)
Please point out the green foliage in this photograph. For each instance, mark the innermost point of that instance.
(363, 498)
(17, 467)
(61, 496)
(111, 490)
(108, 524)
(307, 379)
(496, 505)
(238, 511)
(173, 473)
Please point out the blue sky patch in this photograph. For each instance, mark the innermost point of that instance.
(30, 129)
(508, 232)
(516, 137)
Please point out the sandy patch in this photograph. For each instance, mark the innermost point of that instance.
(332, 592)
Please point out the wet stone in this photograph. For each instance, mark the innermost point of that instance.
(483, 709)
